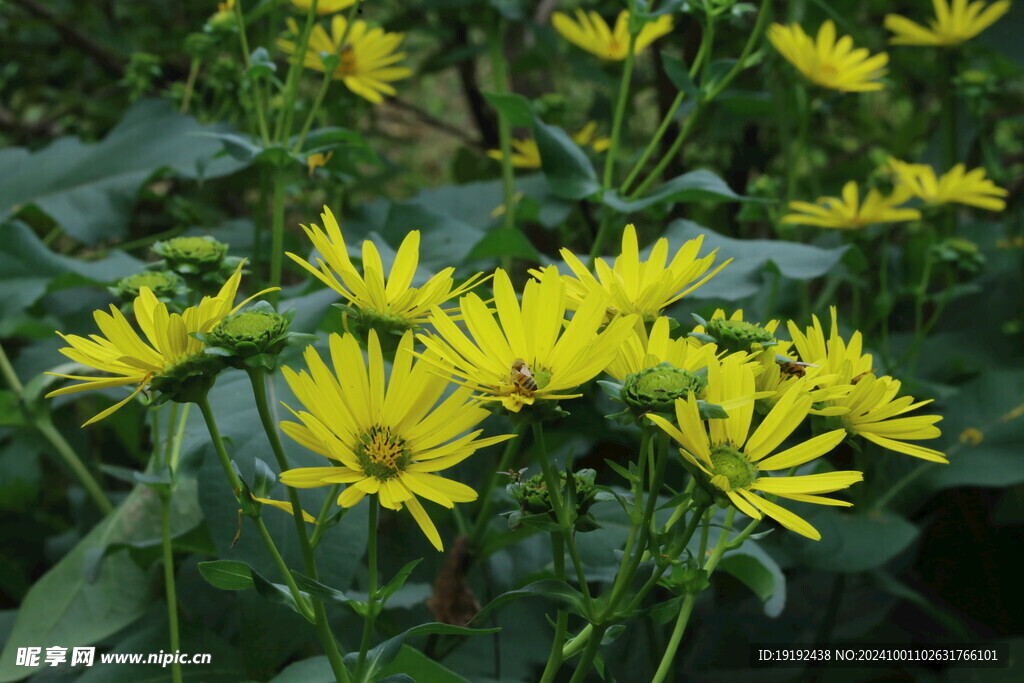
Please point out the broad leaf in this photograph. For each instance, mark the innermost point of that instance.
(695, 186)
(565, 165)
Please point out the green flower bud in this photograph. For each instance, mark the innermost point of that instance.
(188, 381)
(737, 335)
(192, 255)
(961, 254)
(656, 389)
(164, 284)
(253, 337)
(535, 507)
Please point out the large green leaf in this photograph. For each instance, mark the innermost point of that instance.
(760, 573)
(743, 277)
(89, 189)
(28, 270)
(850, 543)
(565, 165)
(695, 186)
(62, 608)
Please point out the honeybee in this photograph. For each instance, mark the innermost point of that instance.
(795, 368)
(522, 376)
(514, 476)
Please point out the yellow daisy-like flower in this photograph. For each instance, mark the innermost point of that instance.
(953, 23)
(828, 62)
(641, 287)
(593, 34)
(367, 58)
(526, 154)
(957, 186)
(849, 213)
(393, 302)
(123, 353)
(386, 438)
(642, 351)
(526, 354)
(734, 459)
(324, 6)
(315, 161)
(867, 405)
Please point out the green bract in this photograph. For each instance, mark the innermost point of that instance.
(735, 335)
(658, 388)
(253, 337)
(163, 283)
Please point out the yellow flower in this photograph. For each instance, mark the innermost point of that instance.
(530, 355)
(593, 34)
(957, 186)
(867, 405)
(640, 287)
(385, 438)
(849, 213)
(394, 302)
(734, 459)
(641, 351)
(287, 507)
(367, 59)
(526, 154)
(123, 353)
(872, 413)
(952, 25)
(324, 6)
(828, 62)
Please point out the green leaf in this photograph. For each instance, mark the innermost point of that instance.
(565, 165)
(424, 669)
(558, 592)
(744, 276)
(89, 189)
(28, 270)
(228, 575)
(384, 653)
(760, 573)
(311, 670)
(62, 607)
(264, 479)
(695, 186)
(679, 74)
(504, 241)
(851, 543)
(10, 409)
(397, 581)
(514, 108)
(276, 593)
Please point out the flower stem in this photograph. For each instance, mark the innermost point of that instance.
(257, 377)
(499, 69)
(190, 84)
(483, 515)
(588, 656)
(371, 560)
(291, 86)
(237, 488)
(276, 234)
(261, 119)
(687, 607)
(320, 94)
(172, 598)
(562, 618)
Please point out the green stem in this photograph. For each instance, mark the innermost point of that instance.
(172, 598)
(483, 515)
(237, 488)
(562, 618)
(620, 109)
(332, 495)
(291, 85)
(687, 607)
(317, 101)
(71, 459)
(587, 659)
(257, 378)
(190, 84)
(578, 643)
(261, 119)
(371, 560)
(276, 235)
(45, 426)
(499, 68)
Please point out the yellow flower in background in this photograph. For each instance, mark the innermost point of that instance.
(735, 460)
(593, 34)
(393, 301)
(528, 353)
(367, 60)
(828, 62)
(324, 6)
(315, 161)
(849, 213)
(526, 154)
(957, 186)
(953, 23)
(636, 286)
(123, 353)
(386, 438)
(832, 353)
(642, 351)
(873, 412)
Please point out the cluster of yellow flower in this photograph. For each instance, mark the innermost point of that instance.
(388, 436)
(835, 64)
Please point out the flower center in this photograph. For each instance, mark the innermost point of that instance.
(658, 388)
(347, 65)
(733, 465)
(381, 454)
(736, 335)
(526, 381)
